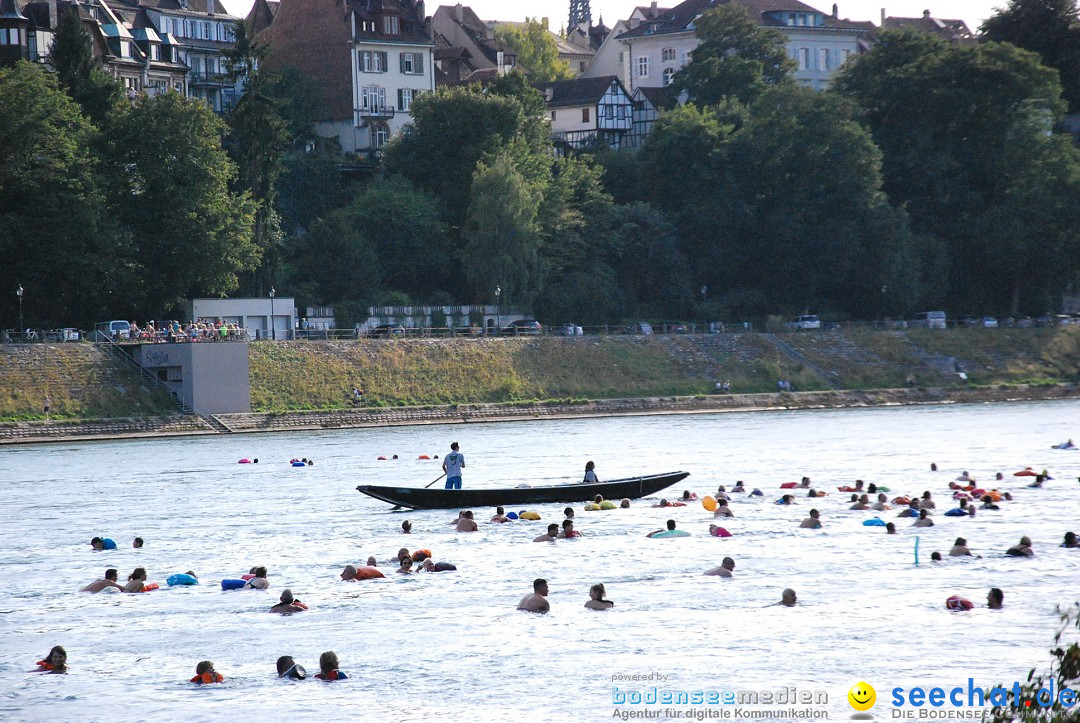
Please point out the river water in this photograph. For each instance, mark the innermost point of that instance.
(450, 646)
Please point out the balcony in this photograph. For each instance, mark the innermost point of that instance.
(377, 111)
(208, 79)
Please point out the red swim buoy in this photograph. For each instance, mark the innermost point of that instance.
(423, 456)
(955, 602)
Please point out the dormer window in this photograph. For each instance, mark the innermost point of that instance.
(391, 25)
(155, 52)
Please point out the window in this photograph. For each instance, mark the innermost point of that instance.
(404, 98)
(643, 66)
(791, 19)
(9, 36)
(552, 115)
(391, 24)
(621, 58)
(687, 56)
(803, 58)
(582, 65)
(669, 76)
(206, 31)
(584, 115)
(380, 134)
(667, 54)
(844, 55)
(373, 98)
(823, 59)
(412, 63)
(372, 62)
(155, 52)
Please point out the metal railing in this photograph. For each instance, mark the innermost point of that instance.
(122, 354)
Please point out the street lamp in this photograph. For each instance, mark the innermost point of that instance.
(273, 328)
(19, 293)
(498, 310)
(704, 313)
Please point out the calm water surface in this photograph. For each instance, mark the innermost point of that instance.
(451, 646)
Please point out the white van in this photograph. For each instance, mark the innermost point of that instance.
(118, 329)
(929, 320)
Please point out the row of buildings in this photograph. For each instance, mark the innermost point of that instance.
(372, 58)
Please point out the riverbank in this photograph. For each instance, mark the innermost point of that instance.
(41, 431)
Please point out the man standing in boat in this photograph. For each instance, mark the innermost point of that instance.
(452, 465)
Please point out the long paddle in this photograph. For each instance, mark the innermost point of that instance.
(435, 480)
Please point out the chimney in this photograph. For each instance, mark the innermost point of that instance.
(653, 8)
(549, 93)
(53, 19)
(459, 13)
(926, 13)
(210, 7)
(835, 11)
(882, 18)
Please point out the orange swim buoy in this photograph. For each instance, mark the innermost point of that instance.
(367, 573)
(789, 485)
(955, 602)
(149, 587)
(423, 456)
(214, 677)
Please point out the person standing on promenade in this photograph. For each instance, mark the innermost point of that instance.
(452, 465)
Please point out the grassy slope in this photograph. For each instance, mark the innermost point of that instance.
(84, 382)
(81, 380)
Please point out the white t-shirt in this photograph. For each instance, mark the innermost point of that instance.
(453, 464)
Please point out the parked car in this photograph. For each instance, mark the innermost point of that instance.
(677, 328)
(119, 329)
(928, 320)
(989, 322)
(805, 322)
(639, 327)
(387, 330)
(523, 326)
(567, 329)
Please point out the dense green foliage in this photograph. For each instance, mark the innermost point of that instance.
(1050, 28)
(536, 50)
(928, 176)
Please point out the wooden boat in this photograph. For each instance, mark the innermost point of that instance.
(433, 499)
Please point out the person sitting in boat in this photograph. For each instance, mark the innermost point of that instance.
(670, 528)
(550, 535)
(725, 569)
(596, 598)
(500, 515)
(430, 566)
(1021, 549)
(537, 601)
(108, 581)
(406, 528)
(405, 566)
(568, 531)
(259, 582)
(288, 604)
(813, 522)
(466, 523)
(924, 520)
(722, 509)
(590, 473)
(882, 502)
(863, 503)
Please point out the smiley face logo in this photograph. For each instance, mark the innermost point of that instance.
(862, 696)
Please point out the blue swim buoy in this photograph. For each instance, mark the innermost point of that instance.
(181, 579)
(233, 584)
(875, 522)
(298, 464)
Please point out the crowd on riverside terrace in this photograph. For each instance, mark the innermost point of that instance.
(174, 331)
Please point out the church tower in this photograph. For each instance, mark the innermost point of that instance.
(579, 14)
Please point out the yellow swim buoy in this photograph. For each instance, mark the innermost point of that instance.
(709, 503)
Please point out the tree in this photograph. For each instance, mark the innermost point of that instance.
(536, 50)
(72, 56)
(169, 181)
(56, 239)
(337, 260)
(965, 134)
(454, 128)
(502, 240)
(654, 274)
(736, 57)
(1050, 28)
